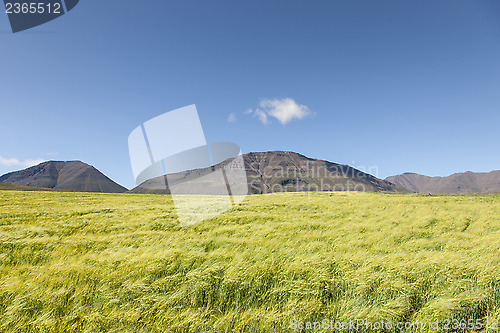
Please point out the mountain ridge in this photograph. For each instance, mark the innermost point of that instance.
(267, 172)
(457, 183)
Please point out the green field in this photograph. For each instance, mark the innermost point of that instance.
(77, 262)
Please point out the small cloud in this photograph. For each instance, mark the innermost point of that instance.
(9, 162)
(231, 118)
(285, 110)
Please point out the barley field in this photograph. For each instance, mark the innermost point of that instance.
(79, 262)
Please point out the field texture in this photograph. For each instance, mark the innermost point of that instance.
(74, 262)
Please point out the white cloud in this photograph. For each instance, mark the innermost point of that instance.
(285, 110)
(9, 162)
(231, 118)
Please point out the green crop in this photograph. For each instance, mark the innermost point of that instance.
(79, 262)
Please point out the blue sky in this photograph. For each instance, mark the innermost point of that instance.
(397, 85)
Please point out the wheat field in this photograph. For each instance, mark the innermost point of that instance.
(80, 262)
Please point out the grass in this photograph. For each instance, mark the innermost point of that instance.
(78, 262)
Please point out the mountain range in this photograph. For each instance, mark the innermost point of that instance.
(267, 172)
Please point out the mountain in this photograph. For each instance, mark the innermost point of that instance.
(467, 182)
(281, 171)
(72, 175)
